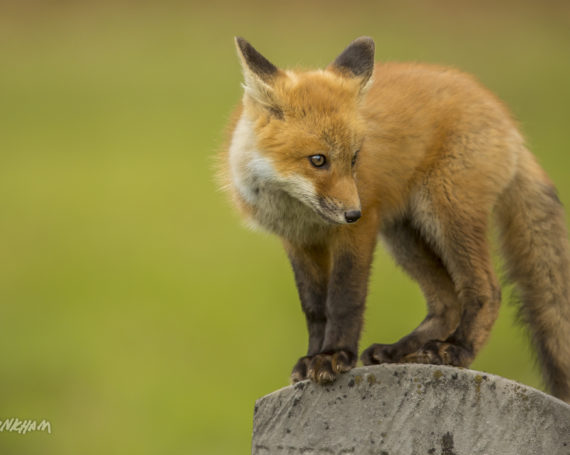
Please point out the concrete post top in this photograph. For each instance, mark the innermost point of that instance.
(397, 409)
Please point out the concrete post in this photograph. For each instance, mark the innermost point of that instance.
(403, 409)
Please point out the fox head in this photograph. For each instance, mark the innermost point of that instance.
(300, 131)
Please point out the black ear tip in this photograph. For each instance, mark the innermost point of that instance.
(254, 60)
(365, 43)
(358, 58)
(241, 43)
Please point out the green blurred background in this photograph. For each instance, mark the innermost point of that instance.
(136, 314)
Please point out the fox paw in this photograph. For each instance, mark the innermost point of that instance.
(300, 369)
(382, 353)
(324, 367)
(441, 353)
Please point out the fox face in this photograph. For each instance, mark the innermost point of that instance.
(295, 147)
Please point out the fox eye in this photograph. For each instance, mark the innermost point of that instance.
(354, 158)
(318, 160)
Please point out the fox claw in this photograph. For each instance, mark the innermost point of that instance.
(323, 368)
(440, 353)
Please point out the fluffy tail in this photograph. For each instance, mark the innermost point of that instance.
(535, 245)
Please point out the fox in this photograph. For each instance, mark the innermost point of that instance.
(422, 158)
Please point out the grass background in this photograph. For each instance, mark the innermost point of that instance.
(136, 315)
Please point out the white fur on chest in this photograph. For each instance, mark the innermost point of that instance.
(280, 204)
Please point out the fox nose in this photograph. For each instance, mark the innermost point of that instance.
(352, 215)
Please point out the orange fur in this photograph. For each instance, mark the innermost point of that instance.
(437, 155)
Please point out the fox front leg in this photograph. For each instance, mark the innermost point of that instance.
(311, 266)
(346, 295)
(332, 281)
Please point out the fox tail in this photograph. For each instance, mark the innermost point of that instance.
(534, 242)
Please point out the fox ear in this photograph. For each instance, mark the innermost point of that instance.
(357, 60)
(258, 72)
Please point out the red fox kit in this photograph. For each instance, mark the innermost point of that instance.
(422, 157)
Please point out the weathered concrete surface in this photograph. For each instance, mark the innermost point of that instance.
(411, 409)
